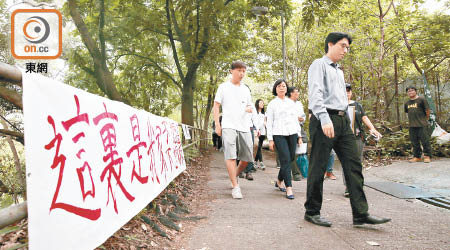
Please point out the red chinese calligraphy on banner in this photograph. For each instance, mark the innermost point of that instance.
(135, 148)
(92, 163)
(60, 160)
(109, 139)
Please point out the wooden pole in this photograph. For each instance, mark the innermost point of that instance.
(9, 73)
(13, 214)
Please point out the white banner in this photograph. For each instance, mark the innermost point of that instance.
(92, 163)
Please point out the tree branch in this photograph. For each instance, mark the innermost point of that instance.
(19, 172)
(185, 44)
(11, 96)
(101, 25)
(172, 42)
(10, 74)
(86, 69)
(17, 135)
(227, 2)
(155, 65)
(389, 7)
(408, 46)
(437, 64)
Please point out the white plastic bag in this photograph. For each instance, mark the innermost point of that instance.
(301, 149)
(442, 136)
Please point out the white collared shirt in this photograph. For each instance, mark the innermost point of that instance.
(260, 117)
(282, 118)
(326, 88)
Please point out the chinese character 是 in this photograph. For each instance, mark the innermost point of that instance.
(137, 138)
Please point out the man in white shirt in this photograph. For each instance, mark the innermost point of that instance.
(236, 102)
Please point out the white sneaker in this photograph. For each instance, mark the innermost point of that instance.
(262, 166)
(236, 193)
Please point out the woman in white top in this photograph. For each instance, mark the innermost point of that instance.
(261, 126)
(283, 131)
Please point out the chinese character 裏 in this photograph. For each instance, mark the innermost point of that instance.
(109, 139)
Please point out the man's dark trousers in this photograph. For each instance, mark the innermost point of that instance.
(419, 135)
(345, 147)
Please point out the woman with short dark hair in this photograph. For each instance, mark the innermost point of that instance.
(283, 131)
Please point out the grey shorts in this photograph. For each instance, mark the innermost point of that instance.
(237, 145)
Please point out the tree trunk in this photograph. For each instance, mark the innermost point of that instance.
(381, 56)
(408, 46)
(11, 96)
(13, 214)
(18, 135)
(438, 97)
(209, 105)
(104, 77)
(187, 102)
(397, 104)
(10, 74)
(19, 172)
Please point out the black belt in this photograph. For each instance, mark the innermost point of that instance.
(336, 112)
(332, 112)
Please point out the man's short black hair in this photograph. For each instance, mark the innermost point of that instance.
(238, 65)
(348, 86)
(290, 90)
(278, 82)
(411, 87)
(335, 37)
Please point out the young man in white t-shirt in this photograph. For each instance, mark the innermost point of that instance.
(236, 102)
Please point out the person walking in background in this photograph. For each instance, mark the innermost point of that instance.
(236, 102)
(261, 126)
(329, 128)
(217, 140)
(283, 132)
(360, 117)
(329, 173)
(418, 114)
(293, 94)
(251, 120)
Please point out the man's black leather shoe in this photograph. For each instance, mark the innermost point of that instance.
(316, 219)
(370, 220)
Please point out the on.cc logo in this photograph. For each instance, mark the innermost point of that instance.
(36, 34)
(36, 29)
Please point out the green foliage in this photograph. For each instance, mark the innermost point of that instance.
(8, 173)
(5, 32)
(396, 143)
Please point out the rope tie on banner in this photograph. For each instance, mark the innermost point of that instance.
(182, 125)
